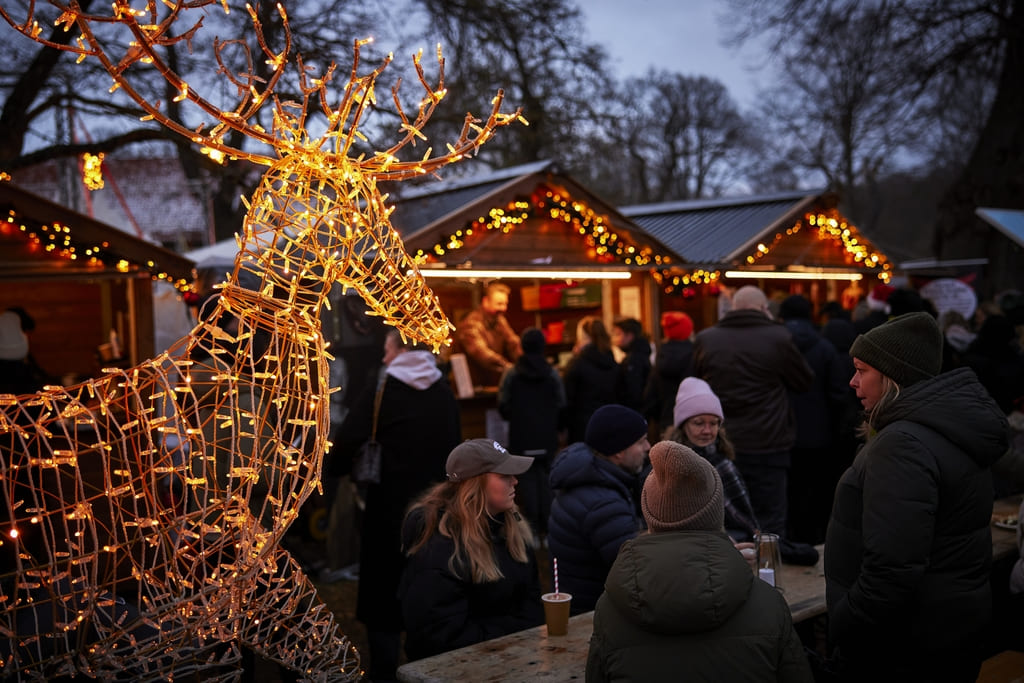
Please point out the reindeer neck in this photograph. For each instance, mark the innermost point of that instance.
(274, 307)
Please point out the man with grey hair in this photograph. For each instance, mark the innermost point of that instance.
(751, 363)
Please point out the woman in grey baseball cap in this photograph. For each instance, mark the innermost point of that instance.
(471, 573)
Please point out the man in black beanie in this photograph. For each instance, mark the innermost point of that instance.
(596, 484)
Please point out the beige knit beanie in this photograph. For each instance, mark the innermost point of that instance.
(683, 492)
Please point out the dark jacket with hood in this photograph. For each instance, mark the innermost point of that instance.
(591, 381)
(417, 427)
(532, 399)
(819, 409)
(634, 370)
(751, 362)
(671, 366)
(594, 512)
(684, 605)
(909, 546)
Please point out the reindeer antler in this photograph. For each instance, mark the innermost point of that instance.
(254, 92)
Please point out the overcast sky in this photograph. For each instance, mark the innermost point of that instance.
(676, 35)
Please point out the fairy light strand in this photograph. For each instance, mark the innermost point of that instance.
(829, 227)
(142, 511)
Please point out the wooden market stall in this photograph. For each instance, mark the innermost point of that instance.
(563, 251)
(786, 243)
(79, 279)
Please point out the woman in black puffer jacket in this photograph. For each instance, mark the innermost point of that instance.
(471, 573)
(909, 551)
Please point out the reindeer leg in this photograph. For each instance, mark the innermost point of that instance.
(286, 622)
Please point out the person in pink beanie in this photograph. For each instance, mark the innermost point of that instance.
(698, 419)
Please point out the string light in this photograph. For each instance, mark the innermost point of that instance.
(829, 226)
(603, 244)
(144, 509)
(58, 241)
(92, 170)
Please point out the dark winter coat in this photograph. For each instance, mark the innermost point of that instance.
(634, 370)
(591, 381)
(684, 605)
(998, 362)
(17, 377)
(417, 429)
(818, 410)
(909, 546)
(594, 512)
(444, 611)
(751, 363)
(532, 399)
(671, 366)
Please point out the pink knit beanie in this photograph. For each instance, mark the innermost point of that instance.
(695, 397)
(682, 492)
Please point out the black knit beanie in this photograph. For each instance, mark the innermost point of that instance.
(906, 349)
(613, 428)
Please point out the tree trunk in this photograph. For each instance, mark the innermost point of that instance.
(993, 177)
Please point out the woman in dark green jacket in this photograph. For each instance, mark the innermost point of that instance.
(681, 603)
(908, 552)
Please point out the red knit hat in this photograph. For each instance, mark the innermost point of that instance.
(676, 325)
(878, 299)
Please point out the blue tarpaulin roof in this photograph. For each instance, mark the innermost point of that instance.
(1007, 221)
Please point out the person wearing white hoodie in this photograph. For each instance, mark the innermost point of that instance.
(418, 426)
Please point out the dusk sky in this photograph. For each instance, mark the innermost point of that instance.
(682, 36)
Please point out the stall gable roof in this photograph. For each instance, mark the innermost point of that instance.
(424, 216)
(1007, 221)
(432, 203)
(720, 231)
(120, 253)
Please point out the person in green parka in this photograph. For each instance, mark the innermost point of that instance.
(681, 602)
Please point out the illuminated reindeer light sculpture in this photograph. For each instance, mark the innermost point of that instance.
(102, 571)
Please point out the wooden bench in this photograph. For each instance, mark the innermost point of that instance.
(1005, 667)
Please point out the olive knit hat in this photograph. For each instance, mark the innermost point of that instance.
(682, 492)
(906, 349)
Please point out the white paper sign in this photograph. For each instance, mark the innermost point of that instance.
(949, 294)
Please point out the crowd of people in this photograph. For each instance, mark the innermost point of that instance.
(879, 432)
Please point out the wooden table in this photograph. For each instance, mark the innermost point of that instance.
(532, 655)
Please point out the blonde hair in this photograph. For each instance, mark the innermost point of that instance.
(458, 510)
(722, 444)
(890, 392)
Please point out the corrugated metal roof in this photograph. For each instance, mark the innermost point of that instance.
(716, 231)
(425, 204)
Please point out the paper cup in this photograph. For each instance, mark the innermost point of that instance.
(556, 612)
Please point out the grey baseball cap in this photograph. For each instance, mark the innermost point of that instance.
(479, 456)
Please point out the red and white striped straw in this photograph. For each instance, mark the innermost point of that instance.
(554, 561)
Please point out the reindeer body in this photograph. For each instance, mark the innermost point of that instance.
(250, 406)
(142, 511)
